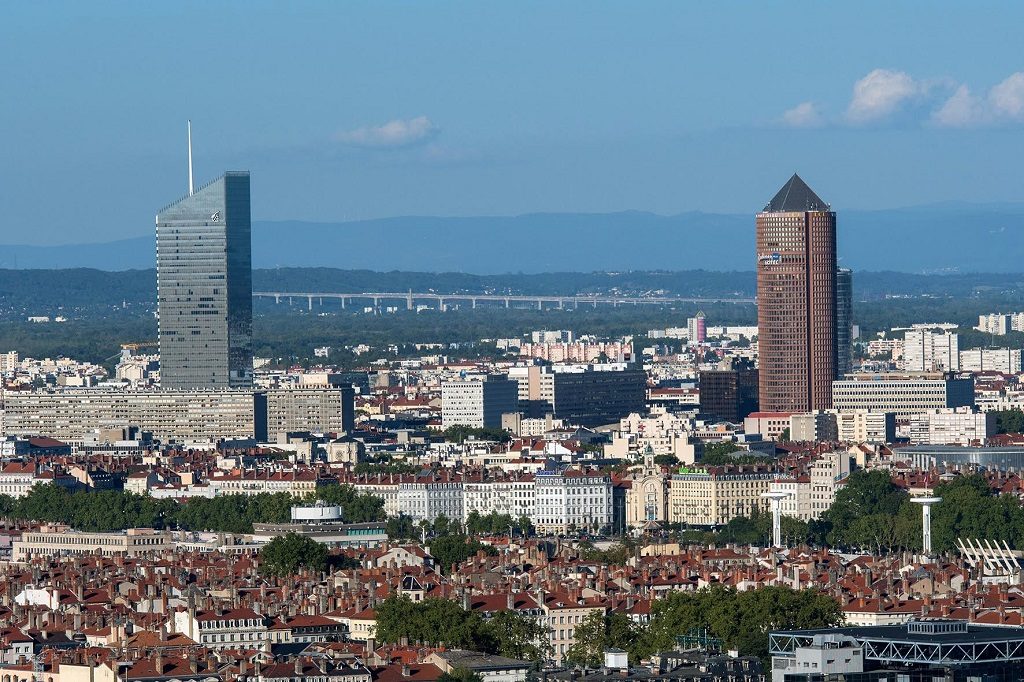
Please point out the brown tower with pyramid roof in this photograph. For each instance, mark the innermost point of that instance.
(796, 300)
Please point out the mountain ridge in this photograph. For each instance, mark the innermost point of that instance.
(947, 237)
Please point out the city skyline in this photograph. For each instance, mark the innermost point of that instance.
(631, 108)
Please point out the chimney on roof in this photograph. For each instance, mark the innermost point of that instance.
(405, 670)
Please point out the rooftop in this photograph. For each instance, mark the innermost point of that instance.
(796, 197)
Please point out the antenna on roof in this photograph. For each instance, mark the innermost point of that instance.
(191, 185)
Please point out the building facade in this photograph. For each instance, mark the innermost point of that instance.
(925, 350)
(903, 395)
(204, 287)
(571, 500)
(478, 403)
(319, 410)
(171, 416)
(844, 322)
(796, 300)
(728, 394)
(716, 496)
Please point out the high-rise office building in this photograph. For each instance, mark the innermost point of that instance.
(204, 286)
(796, 300)
(844, 322)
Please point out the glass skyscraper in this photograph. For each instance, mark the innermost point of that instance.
(204, 287)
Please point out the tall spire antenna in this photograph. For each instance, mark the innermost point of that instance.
(191, 185)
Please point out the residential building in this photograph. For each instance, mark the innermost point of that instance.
(714, 496)
(696, 328)
(219, 629)
(866, 426)
(58, 540)
(429, 497)
(996, 324)
(319, 410)
(768, 424)
(813, 427)
(953, 426)
(204, 287)
(295, 482)
(478, 402)
(512, 495)
(810, 495)
(171, 416)
(925, 350)
(902, 394)
(796, 300)
(572, 500)
(1001, 360)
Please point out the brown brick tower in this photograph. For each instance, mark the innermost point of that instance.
(796, 300)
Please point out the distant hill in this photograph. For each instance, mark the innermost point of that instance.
(930, 239)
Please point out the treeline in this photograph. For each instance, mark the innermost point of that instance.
(434, 621)
(740, 620)
(872, 513)
(115, 510)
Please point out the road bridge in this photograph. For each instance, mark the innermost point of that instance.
(410, 299)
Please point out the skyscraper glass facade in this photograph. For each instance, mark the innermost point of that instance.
(204, 287)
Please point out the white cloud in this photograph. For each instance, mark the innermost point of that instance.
(961, 110)
(1004, 103)
(880, 94)
(803, 115)
(396, 133)
(1007, 98)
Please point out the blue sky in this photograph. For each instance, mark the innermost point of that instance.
(349, 110)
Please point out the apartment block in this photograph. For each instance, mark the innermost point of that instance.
(478, 402)
(1001, 360)
(171, 416)
(866, 426)
(715, 496)
(902, 394)
(569, 500)
(961, 426)
(925, 350)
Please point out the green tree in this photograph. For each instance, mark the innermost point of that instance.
(1009, 421)
(599, 632)
(865, 493)
(454, 549)
(519, 636)
(286, 554)
(357, 507)
(666, 460)
(401, 527)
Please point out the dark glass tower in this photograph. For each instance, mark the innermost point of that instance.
(796, 301)
(844, 322)
(204, 287)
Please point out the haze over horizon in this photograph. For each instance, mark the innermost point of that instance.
(470, 110)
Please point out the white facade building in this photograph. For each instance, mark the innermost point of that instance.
(478, 402)
(572, 499)
(931, 351)
(961, 426)
(513, 496)
(1002, 360)
(866, 426)
(428, 500)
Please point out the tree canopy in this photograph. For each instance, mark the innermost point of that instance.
(287, 554)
